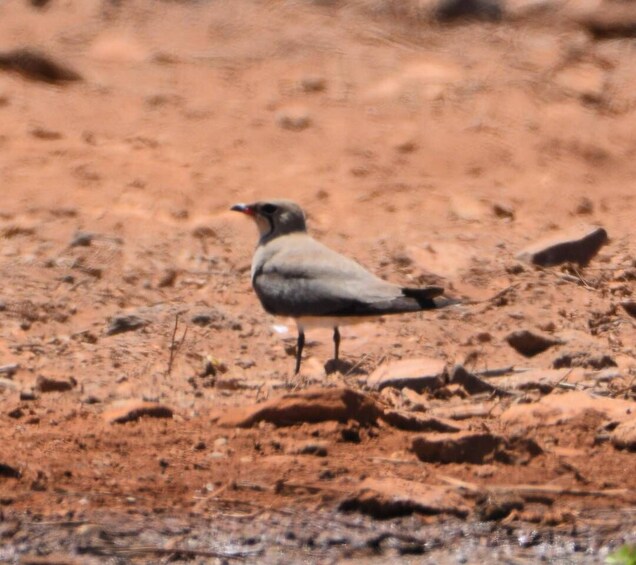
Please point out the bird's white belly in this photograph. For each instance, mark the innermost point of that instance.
(311, 322)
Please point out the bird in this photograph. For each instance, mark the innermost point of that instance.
(296, 276)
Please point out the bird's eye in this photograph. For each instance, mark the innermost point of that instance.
(269, 208)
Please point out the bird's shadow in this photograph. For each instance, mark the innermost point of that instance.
(343, 367)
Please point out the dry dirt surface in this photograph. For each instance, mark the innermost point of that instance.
(148, 410)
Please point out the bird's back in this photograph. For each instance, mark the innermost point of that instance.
(295, 275)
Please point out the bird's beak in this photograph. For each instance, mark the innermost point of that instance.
(246, 209)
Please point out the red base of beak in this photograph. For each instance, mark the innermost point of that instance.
(248, 210)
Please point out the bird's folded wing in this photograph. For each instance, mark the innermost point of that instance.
(312, 280)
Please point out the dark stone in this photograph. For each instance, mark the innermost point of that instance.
(125, 323)
(82, 239)
(529, 343)
(630, 307)
(471, 383)
(15, 413)
(214, 318)
(134, 410)
(584, 359)
(9, 472)
(37, 66)
(46, 384)
(448, 11)
(413, 422)
(563, 249)
(607, 23)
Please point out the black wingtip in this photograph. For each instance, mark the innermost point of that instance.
(426, 292)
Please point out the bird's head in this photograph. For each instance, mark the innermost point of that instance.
(274, 217)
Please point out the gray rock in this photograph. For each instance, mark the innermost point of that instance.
(624, 436)
(317, 448)
(574, 248)
(245, 363)
(214, 318)
(7, 383)
(9, 370)
(417, 374)
(543, 380)
(471, 383)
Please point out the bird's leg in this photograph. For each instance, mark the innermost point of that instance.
(299, 349)
(336, 343)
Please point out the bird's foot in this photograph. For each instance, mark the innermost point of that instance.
(295, 381)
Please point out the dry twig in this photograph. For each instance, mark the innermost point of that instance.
(175, 346)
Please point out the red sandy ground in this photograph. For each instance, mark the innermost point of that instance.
(418, 132)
